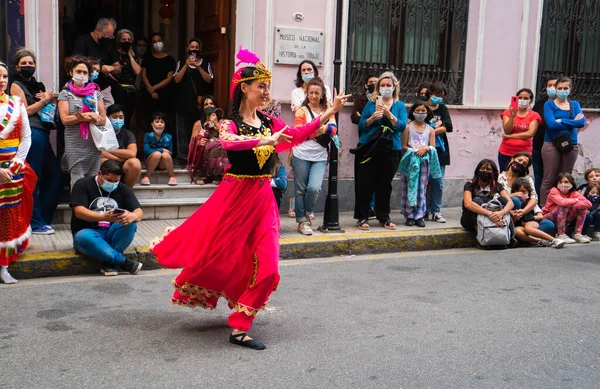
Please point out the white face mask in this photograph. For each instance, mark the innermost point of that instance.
(158, 46)
(420, 117)
(386, 92)
(80, 79)
(157, 131)
(524, 103)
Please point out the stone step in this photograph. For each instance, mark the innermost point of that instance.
(181, 191)
(162, 177)
(154, 209)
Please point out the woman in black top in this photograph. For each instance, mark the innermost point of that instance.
(41, 157)
(194, 81)
(125, 92)
(157, 75)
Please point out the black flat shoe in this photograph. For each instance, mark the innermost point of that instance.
(420, 223)
(409, 222)
(238, 339)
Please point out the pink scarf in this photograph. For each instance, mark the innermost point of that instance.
(88, 104)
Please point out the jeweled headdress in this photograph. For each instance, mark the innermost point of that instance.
(262, 74)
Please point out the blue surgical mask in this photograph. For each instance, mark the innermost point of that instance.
(94, 75)
(593, 198)
(563, 94)
(117, 123)
(436, 100)
(386, 91)
(551, 92)
(307, 77)
(109, 186)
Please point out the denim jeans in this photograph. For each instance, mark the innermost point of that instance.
(105, 244)
(545, 225)
(436, 191)
(308, 179)
(44, 163)
(592, 219)
(503, 161)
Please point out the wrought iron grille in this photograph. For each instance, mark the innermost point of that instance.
(418, 40)
(570, 46)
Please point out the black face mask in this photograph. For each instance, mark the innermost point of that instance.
(485, 177)
(190, 52)
(104, 41)
(424, 97)
(27, 71)
(126, 46)
(371, 88)
(518, 168)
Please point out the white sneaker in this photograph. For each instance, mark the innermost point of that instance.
(304, 228)
(557, 244)
(565, 238)
(596, 236)
(5, 276)
(437, 217)
(579, 238)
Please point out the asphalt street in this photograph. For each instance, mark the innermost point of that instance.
(523, 318)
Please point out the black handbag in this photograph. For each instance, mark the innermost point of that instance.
(563, 142)
(323, 140)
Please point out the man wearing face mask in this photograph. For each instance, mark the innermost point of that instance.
(363, 99)
(96, 45)
(538, 139)
(127, 151)
(104, 219)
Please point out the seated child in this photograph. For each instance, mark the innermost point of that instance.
(158, 148)
(592, 176)
(592, 193)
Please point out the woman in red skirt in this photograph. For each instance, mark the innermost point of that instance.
(17, 179)
(230, 247)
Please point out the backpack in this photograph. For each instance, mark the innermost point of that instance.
(488, 232)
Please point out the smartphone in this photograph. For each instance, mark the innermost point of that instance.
(379, 100)
(118, 211)
(77, 109)
(514, 103)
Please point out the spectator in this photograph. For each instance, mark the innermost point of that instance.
(194, 81)
(378, 153)
(423, 90)
(519, 128)
(127, 151)
(79, 104)
(563, 119)
(481, 189)
(97, 46)
(125, 92)
(442, 123)
(307, 70)
(41, 157)
(272, 107)
(516, 168)
(158, 148)
(279, 180)
(538, 138)
(17, 179)
(592, 193)
(104, 226)
(419, 161)
(364, 98)
(309, 159)
(157, 75)
(141, 48)
(592, 176)
(214, 159)
(564, 205)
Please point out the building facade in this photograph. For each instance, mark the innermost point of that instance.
(484, 50)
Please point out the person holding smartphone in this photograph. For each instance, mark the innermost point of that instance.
(104, 219)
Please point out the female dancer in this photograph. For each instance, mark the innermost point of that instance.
(237, 256)
(17, 179)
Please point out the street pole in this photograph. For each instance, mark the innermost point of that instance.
(331, 218)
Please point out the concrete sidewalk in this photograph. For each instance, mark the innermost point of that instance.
(53, 255)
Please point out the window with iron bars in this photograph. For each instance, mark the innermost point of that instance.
(570, 46)
(419, 40)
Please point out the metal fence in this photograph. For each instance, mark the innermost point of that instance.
(570, 46)
(418, 40)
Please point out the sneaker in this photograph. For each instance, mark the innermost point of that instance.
(544, 243)
(109, 271)
(132, 267)
(5, 276)
(557, 244)
(596, 236)
(304, 228)
(579, 238)
(172, 181)
(565, 238)
(43, 230)
(420, 223)
(437, 217)
(145, 181)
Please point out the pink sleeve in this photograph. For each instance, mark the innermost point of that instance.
(298, 134)
(555, 197)
(582, 202)
(231, 140)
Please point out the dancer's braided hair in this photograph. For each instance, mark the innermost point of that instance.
(238, 95)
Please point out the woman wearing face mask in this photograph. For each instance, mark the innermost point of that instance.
(361, 101)
(41, 157)
(519, 128)
(125, 92)
(563, 118)
(483, 188)
(157, 75)
(378, 153)
(307, 70)
(79, 104)
(538, 138)
(194, 81)
(17, 179)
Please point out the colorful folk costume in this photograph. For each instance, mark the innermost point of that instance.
(230, 246)
(16, 196)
